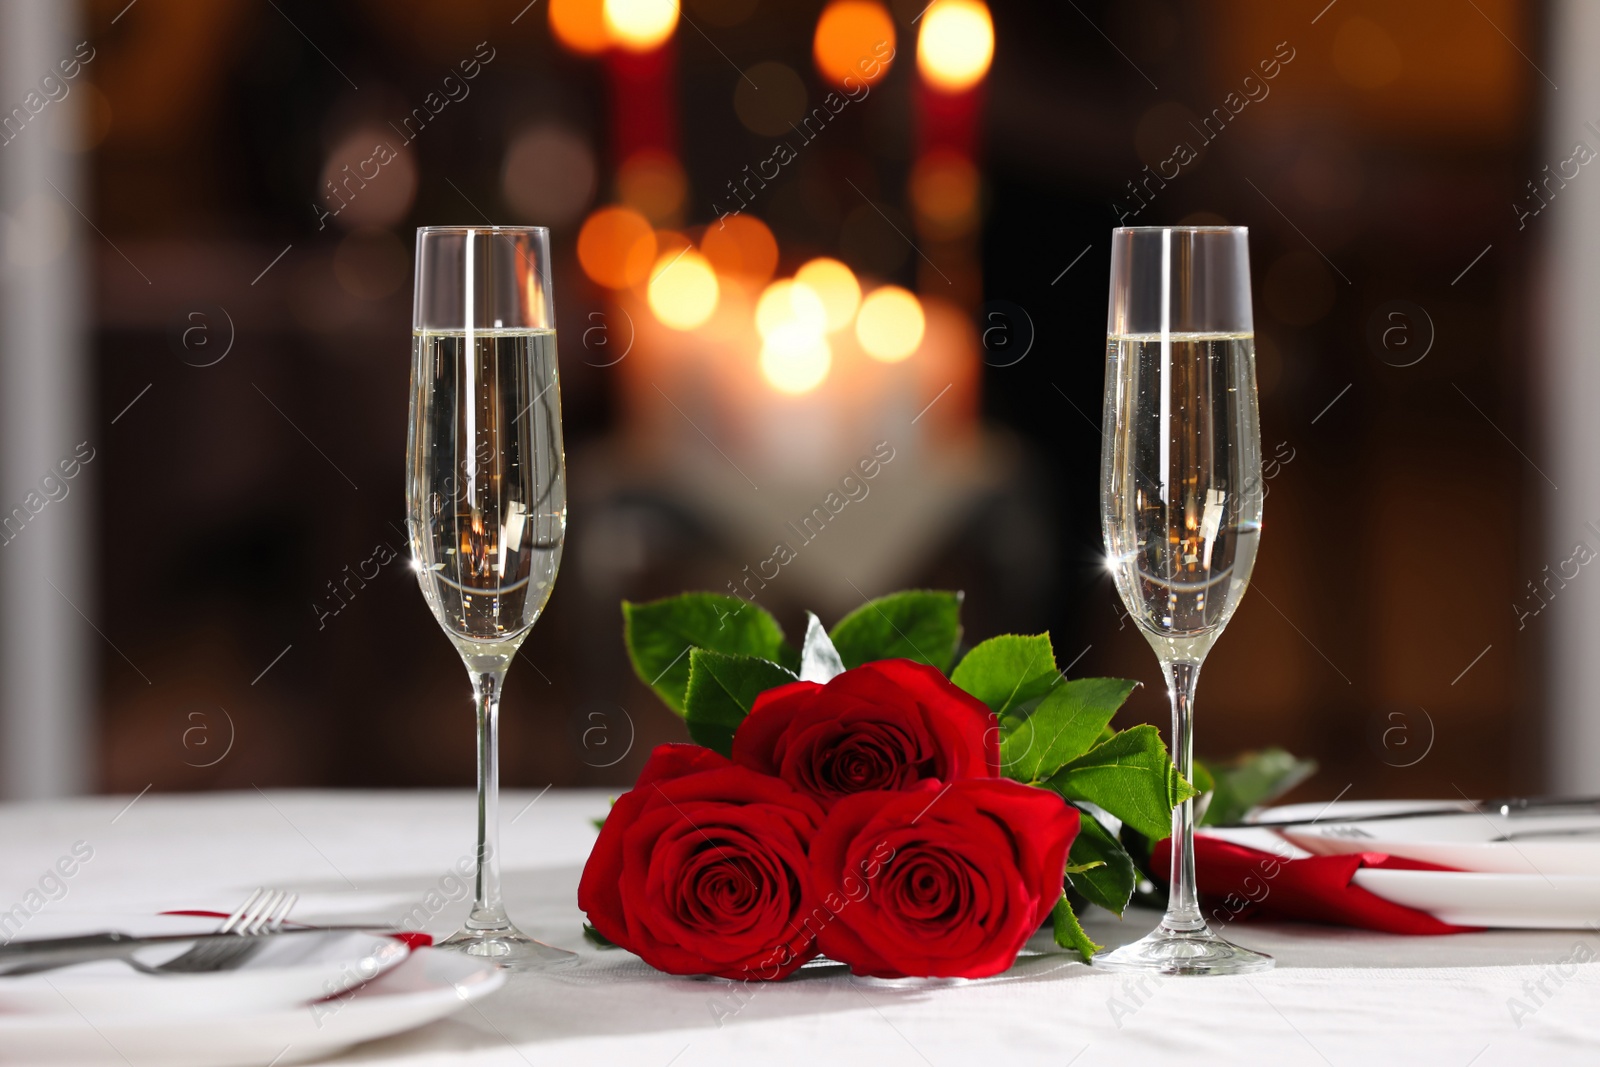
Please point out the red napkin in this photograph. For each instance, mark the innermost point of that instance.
(1240, 882)
(412, 939)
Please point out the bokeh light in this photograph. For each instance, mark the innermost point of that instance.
(616, 247)
(890, 324)
(653, 183)
(955, 44)
(850, 36)
(944, 188)
(89, 126)
(836, 286)
(787, 304)
(795, 361)
(669, 243)
(683, 290)
(741, 247)
(768, 98)
(365, 182)
(640, 25)
(580, 25)
(549, 175)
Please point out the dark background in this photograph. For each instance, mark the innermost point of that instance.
(1400, 516)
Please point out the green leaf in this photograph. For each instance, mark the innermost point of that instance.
(1253, 779)
(1104, 871)
(596, 938)
(920, 624)
(660, 634)
(721, 690)
(1068, 933)
(1066, 724)
(1129, 776)
(1007, 670)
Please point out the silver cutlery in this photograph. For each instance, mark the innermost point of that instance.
(1510, 807)
(240, 936)
(1523, 835)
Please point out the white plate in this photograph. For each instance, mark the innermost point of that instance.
(284, 972)
(1516, 901)
(1540, 845)
(429, 985)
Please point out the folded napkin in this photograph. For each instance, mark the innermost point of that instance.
(1236, 881)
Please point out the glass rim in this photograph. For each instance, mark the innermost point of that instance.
(1181, 229)
(483, 229)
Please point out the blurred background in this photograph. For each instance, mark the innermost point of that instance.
(788, 237)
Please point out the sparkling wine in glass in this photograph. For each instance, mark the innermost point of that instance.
(486, 492)
(1181, 499)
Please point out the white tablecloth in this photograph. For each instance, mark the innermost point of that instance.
(1337, 997)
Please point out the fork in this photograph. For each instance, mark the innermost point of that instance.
(260, 916)
(1336, 830)
(263, 912)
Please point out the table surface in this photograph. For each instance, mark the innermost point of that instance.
(1337, 996)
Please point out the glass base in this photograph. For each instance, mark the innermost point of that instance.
(1166, 950)
(507, 946)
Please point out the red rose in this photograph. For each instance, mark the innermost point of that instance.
(884, 725)
(702, 869)
(945, 881)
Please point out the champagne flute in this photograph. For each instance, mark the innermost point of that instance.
(1181, 498)
(486, 492)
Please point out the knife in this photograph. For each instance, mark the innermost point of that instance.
(1509, 807)
(113, 944)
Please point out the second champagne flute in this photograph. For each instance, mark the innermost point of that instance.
(486, 493)
(1181, 499)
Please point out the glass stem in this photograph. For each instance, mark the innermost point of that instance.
(488, 913)
(1183, 905)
